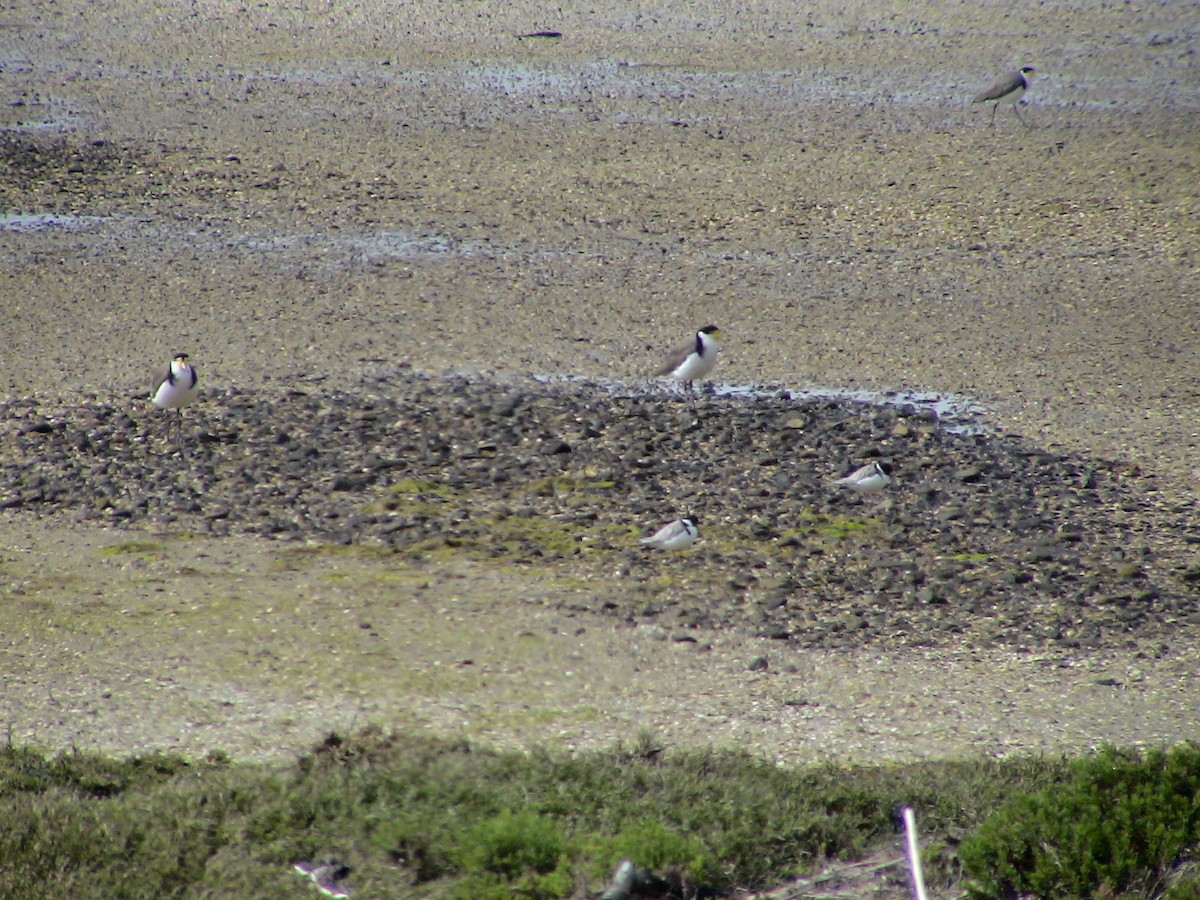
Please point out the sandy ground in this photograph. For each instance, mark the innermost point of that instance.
(193, 645)
(331, 189)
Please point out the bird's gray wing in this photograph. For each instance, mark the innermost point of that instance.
(676, 356)
(663, 534)
(1005, 84)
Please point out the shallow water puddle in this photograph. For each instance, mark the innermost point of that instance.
(957, 414)
(370, 245)
(31, 223)
(540, 80)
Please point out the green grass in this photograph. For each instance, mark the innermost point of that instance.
(566, 486)
(815, 527)
(1121, 823)
(970, 557)
(501, 534)
(417, 487)
(544, 528)
(135, 548)
(422, 817)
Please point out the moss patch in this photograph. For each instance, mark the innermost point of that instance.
(135, 548)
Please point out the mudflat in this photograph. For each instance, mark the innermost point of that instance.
(322, 199)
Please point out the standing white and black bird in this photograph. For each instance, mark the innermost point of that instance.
(675, 535)
(178, 388)
(869, 479)
(1008, 88)
(694, 358)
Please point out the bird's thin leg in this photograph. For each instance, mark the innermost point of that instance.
(995, 106)
(1019, 116)
(168, 420)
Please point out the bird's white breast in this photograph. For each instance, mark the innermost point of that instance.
(697, 365)
(176, 392)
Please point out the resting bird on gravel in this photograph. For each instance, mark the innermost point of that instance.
(1008, 88)
(178, 388)
(675, 536)
(694, 358)
(869, 479)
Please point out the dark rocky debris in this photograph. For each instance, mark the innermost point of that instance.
(981, 540)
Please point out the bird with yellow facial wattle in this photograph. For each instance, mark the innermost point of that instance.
(693, 359)
(177, 388)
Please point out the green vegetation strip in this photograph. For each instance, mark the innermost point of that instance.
(421, 817)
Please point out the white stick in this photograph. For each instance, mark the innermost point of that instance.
(914, 853)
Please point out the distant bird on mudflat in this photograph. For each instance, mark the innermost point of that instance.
(869, 479)
(1008, 88)
(675, 535)
(178, 388)
(694, 358)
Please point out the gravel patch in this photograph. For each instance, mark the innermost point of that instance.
(981, 540)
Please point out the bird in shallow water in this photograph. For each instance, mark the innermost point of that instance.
(675, 535)
(693, 359)
(1008, 88)
(869, 479)
(178, 388)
